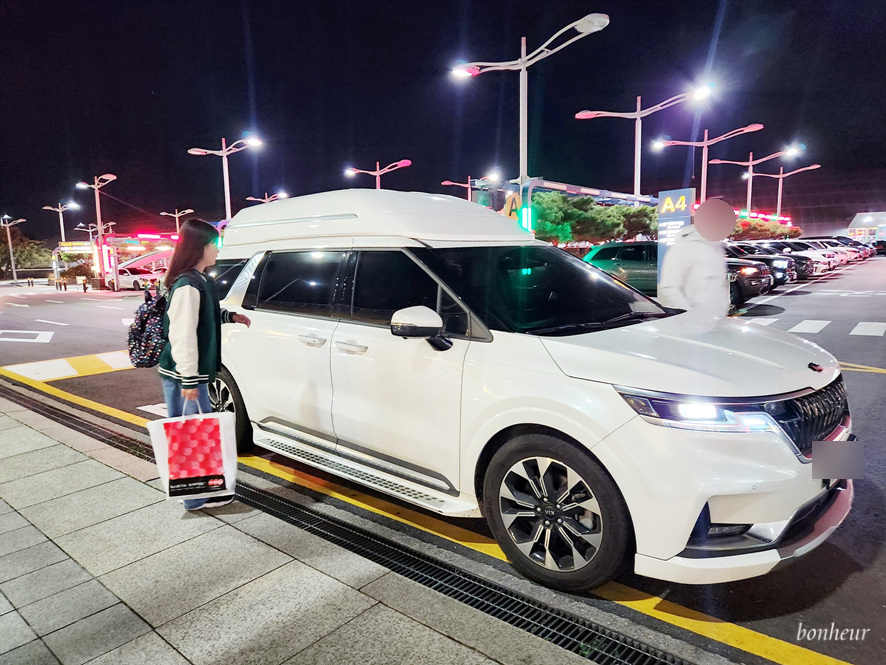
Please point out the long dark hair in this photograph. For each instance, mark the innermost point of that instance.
(194, 235)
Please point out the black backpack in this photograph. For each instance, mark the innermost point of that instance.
(146, 340)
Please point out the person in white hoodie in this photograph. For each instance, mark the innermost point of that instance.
(694, 275)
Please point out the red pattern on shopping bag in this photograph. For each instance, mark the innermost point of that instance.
(194, 448)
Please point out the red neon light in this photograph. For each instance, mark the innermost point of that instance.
(149, 236)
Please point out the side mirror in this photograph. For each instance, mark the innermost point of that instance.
(423, 322)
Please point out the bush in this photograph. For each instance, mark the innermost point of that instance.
(80, 270)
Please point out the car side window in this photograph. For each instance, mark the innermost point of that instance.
(605, 254)
(387, 281)
(633, 253)
(300, 282)
(224, 272)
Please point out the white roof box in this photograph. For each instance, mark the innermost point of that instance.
(371, 212)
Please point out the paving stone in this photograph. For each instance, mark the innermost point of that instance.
(11, 522)
(13, 541)
(32, 419)
(14, 632)
(8, 407)
(233, 512)
(181, 578)
(5, 605)
(149, 649)
(18, 440)
(52, 484)
(96, 635)
(91, 506)
(381, 636)
(30, 559)
(499, 641)
(44, 582)
(266, 621)
(29, 464)
(120, 541)
(34, 652)
(66, 607)
(318, 553)
(4, 507)
(73, 438)
(128, 464)
(6, 422)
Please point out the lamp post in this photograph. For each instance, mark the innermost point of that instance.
(661, 144)
(177, 214)
(268, 199)
(584, 27)
(61, 208)
(100, 181)
(492, 177)
(379, 172)
(638, 115)
(781, 175)
(4, 222)
(751, 163)
(237, 146)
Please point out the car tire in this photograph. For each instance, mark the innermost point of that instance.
(536, 544)
(136, 285)
(225, 396)
(736, 299)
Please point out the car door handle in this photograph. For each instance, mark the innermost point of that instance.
(312, 340)
(351, 346)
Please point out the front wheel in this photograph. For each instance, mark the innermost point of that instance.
(136, 285)
(735, 296)
(225, 396)
(556, 513)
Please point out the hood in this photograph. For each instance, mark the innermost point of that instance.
(690, 234)
(731, 358)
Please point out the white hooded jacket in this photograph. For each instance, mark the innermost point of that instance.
(693, 275)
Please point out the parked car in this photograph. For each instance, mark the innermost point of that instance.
(843, 254)
(847, 241)
(797, 247)
(806, 267)
(782, 268)
(880, 246)
(135, 278)
(748, 279)
(477, 371)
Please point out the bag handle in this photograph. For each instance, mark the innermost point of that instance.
(197, 402)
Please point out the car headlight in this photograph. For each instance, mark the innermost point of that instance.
(748, 271)
(780, 263)
(695, 413)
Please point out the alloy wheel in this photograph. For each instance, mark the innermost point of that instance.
(220, 396)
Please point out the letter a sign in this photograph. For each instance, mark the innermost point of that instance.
(674, 212)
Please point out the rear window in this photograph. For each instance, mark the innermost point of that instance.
(605, 254)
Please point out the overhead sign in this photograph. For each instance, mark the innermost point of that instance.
(675, 209)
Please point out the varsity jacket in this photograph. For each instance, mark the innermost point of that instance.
(192, 328)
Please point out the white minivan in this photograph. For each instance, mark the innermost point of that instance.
(432, 350)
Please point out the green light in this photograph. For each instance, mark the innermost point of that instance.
(526, 271)
(526, 216)
(743, 214)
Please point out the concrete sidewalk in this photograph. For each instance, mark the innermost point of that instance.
(97, 567)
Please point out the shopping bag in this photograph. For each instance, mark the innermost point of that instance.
(196, 455)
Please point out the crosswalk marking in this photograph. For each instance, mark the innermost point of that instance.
(761, 321)
(57, 302)
(869, 328)
(156, 409)
(115, 359)
(809, 326)
(127, 322)
(55, 323)
(15, 304)
(109, 307)
(62, 368)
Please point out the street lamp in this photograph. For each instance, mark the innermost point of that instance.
(100, 181)
(4, 222)
(638, 115)
(177, 214)
(661, 144)
(791, 151)
(237, 146)
(491, 177)
(61, 208)
(92, 227)
(781, 175)
(584, 27)
(267, 199)
(379, 172)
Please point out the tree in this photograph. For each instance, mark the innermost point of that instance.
(28, 253)
(642, 220)
(756, 229)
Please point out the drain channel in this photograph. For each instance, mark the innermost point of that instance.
(587, 639)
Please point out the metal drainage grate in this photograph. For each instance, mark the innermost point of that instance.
(601, 645)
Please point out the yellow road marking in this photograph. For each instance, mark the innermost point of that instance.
(853, 367)
(708, 626)
(89, 365)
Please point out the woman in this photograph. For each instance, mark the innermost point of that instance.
(192, 326)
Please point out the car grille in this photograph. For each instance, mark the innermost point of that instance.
(764, 270)
(813, 417)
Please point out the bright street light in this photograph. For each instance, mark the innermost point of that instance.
(267, 199)
(781, 175)
(92, 227)
(790, 151)
(236, 146)
(638, 115)
(60, 209)
(177, 214)
(583, 27)
(4, 222)
(661, 144)
(99, 182)
(379, 172)
(493, 177)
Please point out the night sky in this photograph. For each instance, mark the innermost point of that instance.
(127, 87)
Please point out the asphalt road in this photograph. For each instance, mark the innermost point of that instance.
(842, 582)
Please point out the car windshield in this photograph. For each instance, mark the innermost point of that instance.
(739, 251)
(138, 271)
(537, 289)
(799, 246)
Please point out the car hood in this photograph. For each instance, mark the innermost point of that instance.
(722, 358)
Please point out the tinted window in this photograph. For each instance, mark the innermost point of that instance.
(605, 254)
(637, 253)
(388, 281)
(138, 271)
(224, 273)
(300, 282)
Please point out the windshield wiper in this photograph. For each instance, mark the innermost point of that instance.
(635, 316)
(597, 325)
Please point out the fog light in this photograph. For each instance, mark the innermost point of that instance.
(721, 530)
